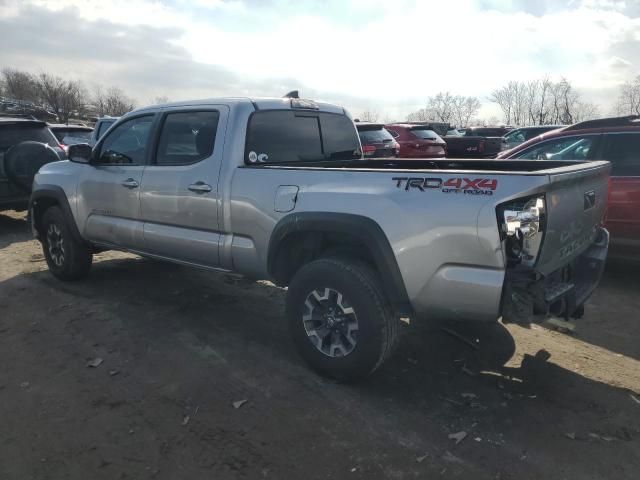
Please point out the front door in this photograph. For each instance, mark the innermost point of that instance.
(623, 209)
(179, 197)
(109, 188)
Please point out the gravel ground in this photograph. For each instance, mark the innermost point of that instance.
(178, 347)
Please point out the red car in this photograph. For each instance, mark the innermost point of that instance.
(614, 139)
(417, 141)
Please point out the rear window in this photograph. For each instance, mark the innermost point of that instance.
(374, 135)
(11, 135)
(72, 136)
(425, 134)
(291, 136)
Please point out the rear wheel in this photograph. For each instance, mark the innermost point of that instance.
(340, 319)
(67, 258)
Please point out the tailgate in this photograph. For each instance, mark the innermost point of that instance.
(575, 207)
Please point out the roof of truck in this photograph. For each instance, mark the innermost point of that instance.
(260, 103)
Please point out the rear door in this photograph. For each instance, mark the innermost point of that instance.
(623, 212)
(180, 201)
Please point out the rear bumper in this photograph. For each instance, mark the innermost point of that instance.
(530, 297)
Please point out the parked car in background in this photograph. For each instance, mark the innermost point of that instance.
(520, 135)
(71, 134)
(417, 141)
(477, 142)
(376, 140)
(101, 126)
(25, 145)
(614, 139)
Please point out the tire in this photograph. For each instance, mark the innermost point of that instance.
(67, 258)
(359, 335)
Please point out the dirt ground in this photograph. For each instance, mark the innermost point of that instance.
(180, 346)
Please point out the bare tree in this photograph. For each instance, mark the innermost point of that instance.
(369, 116)
(441, 107)
(465, 109)
(422, 115)
(629, 98)
(111, 102)
(542, 102)
(161, 99)
(63, 97)
(20, 85)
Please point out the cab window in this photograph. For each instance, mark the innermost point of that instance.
(127, 143)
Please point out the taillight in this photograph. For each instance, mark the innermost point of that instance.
(522, 227)
(368, 150)
(64, 147)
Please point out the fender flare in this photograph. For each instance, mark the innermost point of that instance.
(56, 193)
(363, 228)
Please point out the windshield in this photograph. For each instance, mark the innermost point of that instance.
(10, 135)
(425, 134)
(72, 136)
(300, 136)
(377, 135)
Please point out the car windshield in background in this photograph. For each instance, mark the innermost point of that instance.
(424, 134)
(374, 135)
(72, 136)
(292, 136)
(10, 135)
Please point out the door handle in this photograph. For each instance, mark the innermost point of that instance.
(200, 187)
(130, 183)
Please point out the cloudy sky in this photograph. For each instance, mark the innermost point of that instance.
(366, 54)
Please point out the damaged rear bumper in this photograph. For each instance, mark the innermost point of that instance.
(531, 297)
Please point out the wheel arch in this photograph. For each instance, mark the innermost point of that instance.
(44, 197)
(299, 238)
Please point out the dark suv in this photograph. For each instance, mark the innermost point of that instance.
(376, 141)
(614, 139)
(20, 161)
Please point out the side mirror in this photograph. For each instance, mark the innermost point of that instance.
(80, 153)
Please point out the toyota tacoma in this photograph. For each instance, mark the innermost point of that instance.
(278, 189)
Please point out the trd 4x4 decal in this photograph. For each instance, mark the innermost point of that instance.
(466, 186)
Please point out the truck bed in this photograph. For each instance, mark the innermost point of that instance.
(535, 167)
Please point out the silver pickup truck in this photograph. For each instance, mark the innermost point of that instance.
(278, 189)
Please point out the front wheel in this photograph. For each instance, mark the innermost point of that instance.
(340, 319)
(67, 258)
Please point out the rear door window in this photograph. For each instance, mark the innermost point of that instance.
(187, 137)
(291, 136)
(623, 151)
